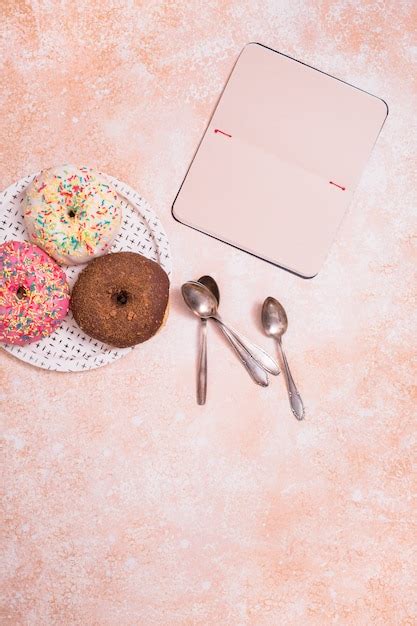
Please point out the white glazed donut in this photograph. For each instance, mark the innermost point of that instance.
(72, 213)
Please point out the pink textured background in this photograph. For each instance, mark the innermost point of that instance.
(127, 504)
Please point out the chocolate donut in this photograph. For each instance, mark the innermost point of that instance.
(121, 299)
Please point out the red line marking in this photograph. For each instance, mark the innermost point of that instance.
(217, 130)
(336, 185)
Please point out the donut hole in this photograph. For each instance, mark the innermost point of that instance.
(122, 297)
(71, 213)
(21, 292)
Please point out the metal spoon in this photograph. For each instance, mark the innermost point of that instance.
(211, 284)
(275, 323)
(203, 303)
(255, 370)
(257, 373)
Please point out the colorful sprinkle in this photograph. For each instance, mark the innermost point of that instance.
(46, 294)
(64, 212)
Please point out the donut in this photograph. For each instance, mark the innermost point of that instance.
(34, 293)
(72, 213)
(121, 299)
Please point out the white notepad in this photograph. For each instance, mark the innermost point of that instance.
(280, 159)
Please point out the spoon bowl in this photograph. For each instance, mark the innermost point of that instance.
(199, 299)
(274, 318)
(203, 303)
(210, 283)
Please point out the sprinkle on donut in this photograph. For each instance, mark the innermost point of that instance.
(34, 294)
(72, 213)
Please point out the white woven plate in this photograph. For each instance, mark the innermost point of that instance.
(68, 349)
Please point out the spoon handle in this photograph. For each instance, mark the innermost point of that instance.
(296, 403)
(202, 365)
(255, 371)
(255, 352)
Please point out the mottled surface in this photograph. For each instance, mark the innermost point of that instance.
(127, 504)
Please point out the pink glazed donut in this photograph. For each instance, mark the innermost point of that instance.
(34, 293)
